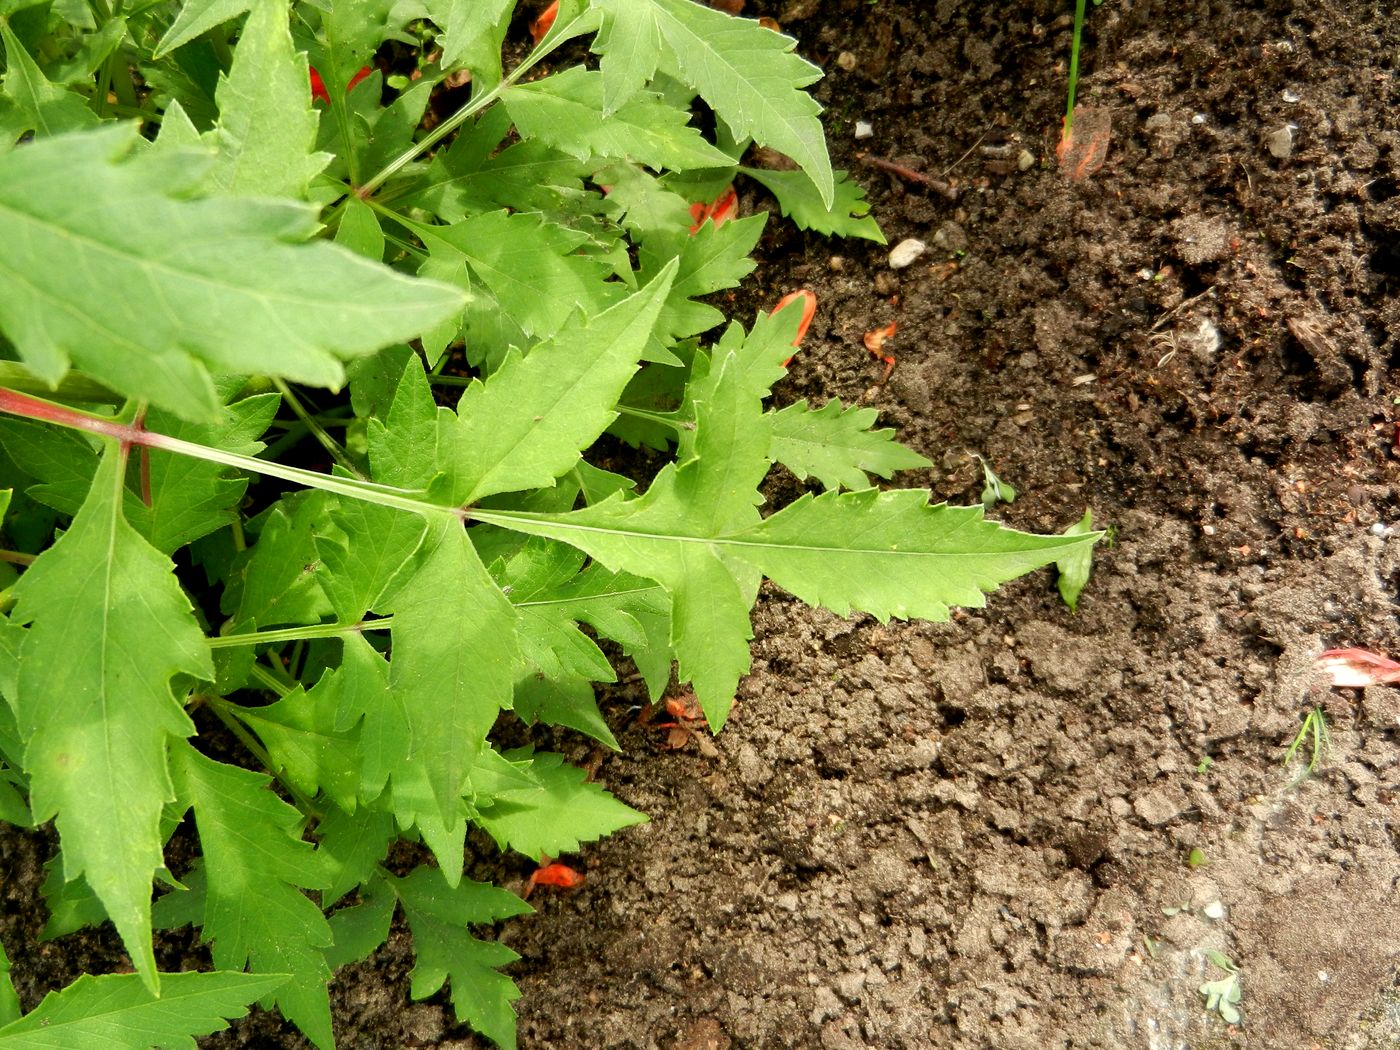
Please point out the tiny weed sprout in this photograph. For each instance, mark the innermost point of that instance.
(1223, 994)
(1313, 740)
(264, 586)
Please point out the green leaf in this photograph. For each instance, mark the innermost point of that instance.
(438, 915)
(566, 111)
(39, 106)
(254, 862)
(71, 905)
(711, 260)
(307, 750)
(354, 843)
(568, 702)
(643, 204)
(454, 667)
(109, 268)
(564, 811)
(1074, 567)
(117, 1012)
(360, 231)
(747, 73)
(197, 17)
(109, 628)
(365, 550)
(363, 927)
(472, 35)
(266, 130)
(848, 215)
(531, 266)
(278, 582)
(477, 174)
(994, 490)
(9, 1001)
(837, 446)
(525, 425)
(190, 498)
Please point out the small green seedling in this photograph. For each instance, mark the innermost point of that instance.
(994, 490)
(1223, 995)
(1196, 858)
(1314, 734)
(1203, 766)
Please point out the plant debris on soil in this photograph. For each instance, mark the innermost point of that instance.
(1026, 828)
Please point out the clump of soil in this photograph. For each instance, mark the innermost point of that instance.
(976, 834)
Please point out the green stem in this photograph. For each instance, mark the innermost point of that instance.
(17, 557)
(1074, 63)
(317, 431)
(665, 419)
(126, 435)
(298, 634)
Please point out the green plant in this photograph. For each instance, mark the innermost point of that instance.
(1224, 993)
(1076, 36)
(1318, 739)
(194, 255)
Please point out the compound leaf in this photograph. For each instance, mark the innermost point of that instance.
(848, 214)
(837, 446)
(747, 73)
(254, 862)
(109, 628)
(109, 267)
(118, 1012)
(438, 915)
(531, 266)
(567, 111)
(564, 810)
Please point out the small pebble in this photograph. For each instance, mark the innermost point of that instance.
(1214, 910)
(886, 283)
(864, 129)
(905, 252)
(1290, 96)
(1280, 142)
(836, 263)
(846, 61)
(1199, 118)
(1025, 160)
(1382, 530)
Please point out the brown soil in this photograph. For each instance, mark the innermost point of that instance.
(975, 834)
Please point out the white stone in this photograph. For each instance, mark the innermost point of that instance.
(905, 252)
(864, 129)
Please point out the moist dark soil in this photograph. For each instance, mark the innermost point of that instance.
(980, 834)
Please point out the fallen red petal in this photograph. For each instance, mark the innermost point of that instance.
(541, 25)
(718, 211)
(318, 87)
(1357, 668)
(809, 309)
(875, 338)
(556, 874)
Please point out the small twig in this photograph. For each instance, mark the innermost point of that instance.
(946, 171)
(909, 174)
(1179, 307)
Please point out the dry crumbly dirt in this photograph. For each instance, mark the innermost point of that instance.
(975, 834)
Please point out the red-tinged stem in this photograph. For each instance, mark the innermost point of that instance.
(128, 435)
(17, 404)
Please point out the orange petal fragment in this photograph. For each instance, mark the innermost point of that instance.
(541, 25)
(556, 874)
(875, 338)
(809, 310)
(1357, 668)
(718, 211)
